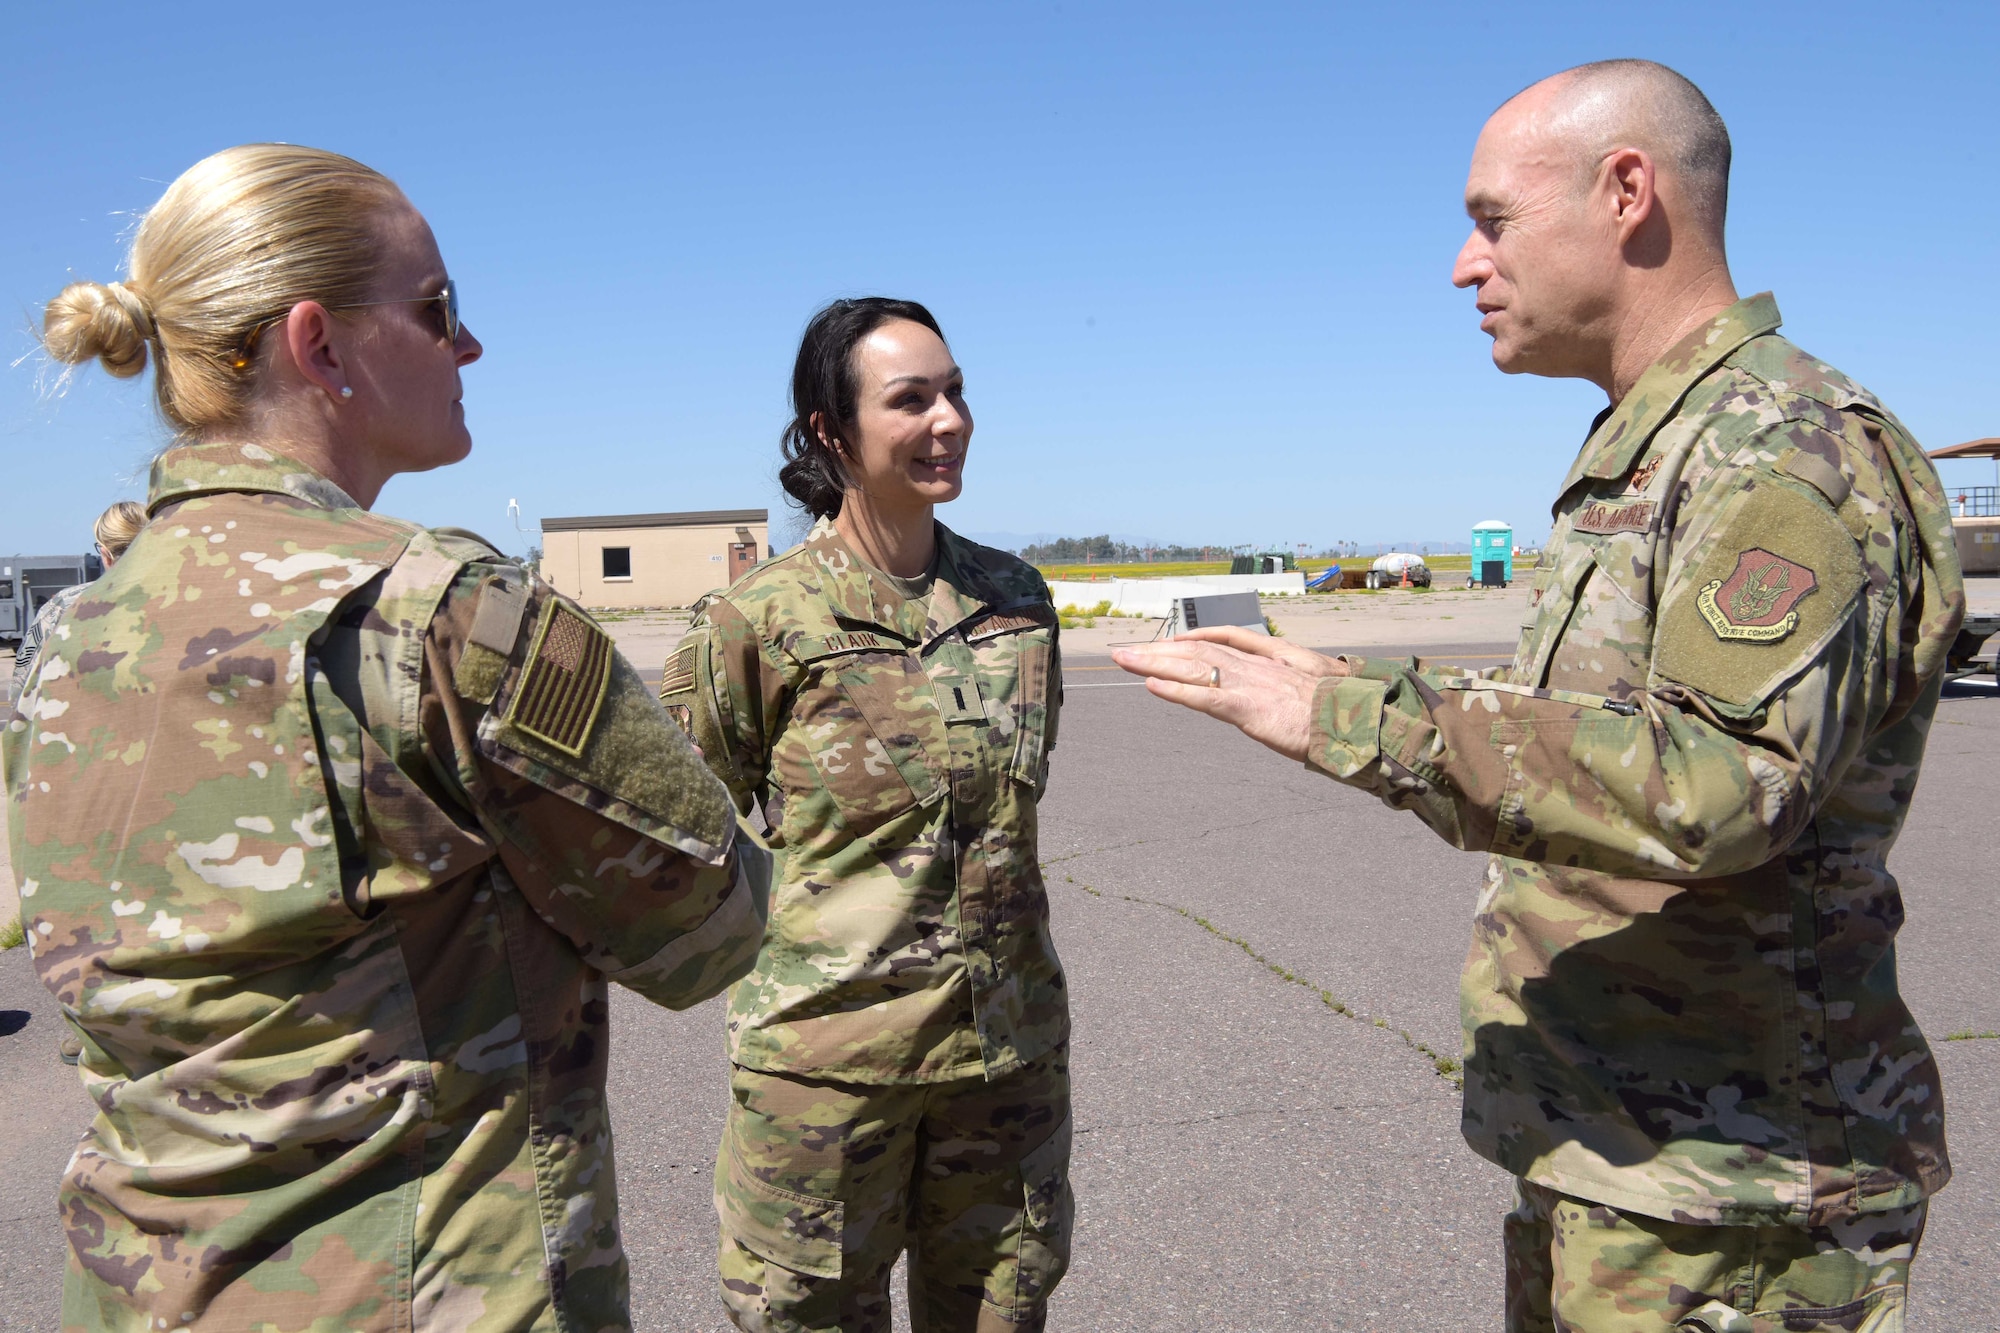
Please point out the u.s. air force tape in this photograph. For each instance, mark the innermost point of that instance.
(568, 671)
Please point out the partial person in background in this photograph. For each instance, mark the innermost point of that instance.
(1683, 1033)
(886, 696)
(332, 828)
(116, 527)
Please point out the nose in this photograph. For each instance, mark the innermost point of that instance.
(951, 419)
(1474, 264)
(467, 349)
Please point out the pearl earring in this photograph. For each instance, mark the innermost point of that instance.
(346, 391)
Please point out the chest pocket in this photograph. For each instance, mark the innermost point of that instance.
(1013, 653)
(872, 728)
(1595, 631)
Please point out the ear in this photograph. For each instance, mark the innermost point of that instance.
(830, 442)
(311, 344)
(1629, 178)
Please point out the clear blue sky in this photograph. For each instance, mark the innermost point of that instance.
(1194, 258)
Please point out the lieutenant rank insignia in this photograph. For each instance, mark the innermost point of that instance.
(1755, 603)
(568, 673)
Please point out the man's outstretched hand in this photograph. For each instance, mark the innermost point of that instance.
(1266, 684)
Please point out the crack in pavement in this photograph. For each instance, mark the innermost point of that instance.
(1254, 1110)
(1181, 837)
(1446, 1067)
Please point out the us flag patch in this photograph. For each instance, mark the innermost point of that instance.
(678, 678)
(568, 673)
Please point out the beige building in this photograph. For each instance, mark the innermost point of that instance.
(652, 559)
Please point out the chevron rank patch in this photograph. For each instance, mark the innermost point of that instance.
(568, 671)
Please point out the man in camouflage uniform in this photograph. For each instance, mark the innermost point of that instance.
(330, 831)
(1682, 1028)
(901, 1072)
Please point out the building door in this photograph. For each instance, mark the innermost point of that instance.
(742, 556)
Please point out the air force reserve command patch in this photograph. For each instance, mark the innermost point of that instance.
(1773, 584)
(1755, 603)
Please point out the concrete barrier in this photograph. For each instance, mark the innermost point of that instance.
(1155, 597)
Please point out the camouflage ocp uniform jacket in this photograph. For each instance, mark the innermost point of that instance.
(897, 748)
(1681, 995)
(331, 830)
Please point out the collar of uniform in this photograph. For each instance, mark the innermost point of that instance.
(852, 595)
(201, 469)
(1615, 443)
(958, 593)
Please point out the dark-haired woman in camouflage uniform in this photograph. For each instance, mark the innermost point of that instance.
(887, 694)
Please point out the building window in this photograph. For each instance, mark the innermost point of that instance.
(617, 562)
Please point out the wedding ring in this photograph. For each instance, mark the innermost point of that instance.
(1215, 678)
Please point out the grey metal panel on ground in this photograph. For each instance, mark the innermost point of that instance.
(1222, 608)
(700, 518)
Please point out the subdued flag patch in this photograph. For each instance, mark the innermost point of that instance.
(678, 678)
(567, 675)
(1754, 604)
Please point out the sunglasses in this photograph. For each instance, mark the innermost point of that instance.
(446, 301)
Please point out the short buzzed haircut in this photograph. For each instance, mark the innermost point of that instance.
(1610, 104)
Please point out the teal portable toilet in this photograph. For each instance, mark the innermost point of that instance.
(1492, 554)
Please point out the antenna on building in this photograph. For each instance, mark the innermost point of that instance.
(514, 512)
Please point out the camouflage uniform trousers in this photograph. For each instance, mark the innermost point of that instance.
(821, 1185)
(1580, 1267)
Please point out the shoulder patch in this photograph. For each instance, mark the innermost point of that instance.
(1754, 604)
(1770, 590)
(567, 673)
(678, 677)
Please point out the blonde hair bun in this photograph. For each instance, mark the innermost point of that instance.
(107, 322)
(237, 240)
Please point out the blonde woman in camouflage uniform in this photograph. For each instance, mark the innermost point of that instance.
(114, 531)
(332, 828)
(886, 694)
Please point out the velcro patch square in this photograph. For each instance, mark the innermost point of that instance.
(568, 672)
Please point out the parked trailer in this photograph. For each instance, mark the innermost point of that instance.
(27, 581)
